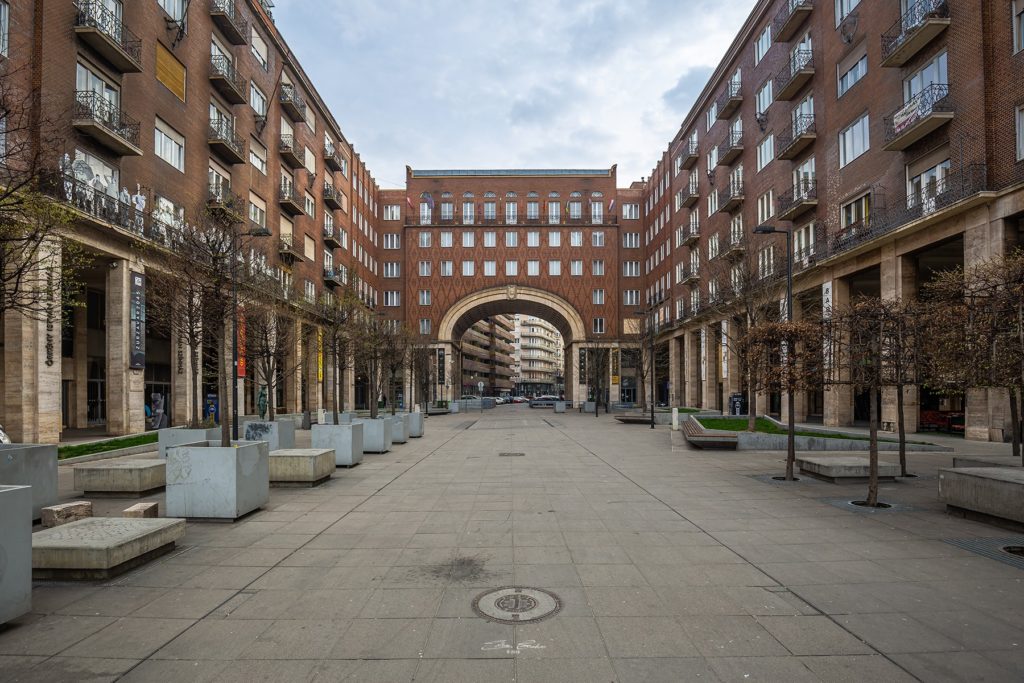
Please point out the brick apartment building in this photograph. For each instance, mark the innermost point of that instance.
(888, 136)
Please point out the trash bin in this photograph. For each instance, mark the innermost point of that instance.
(737, 404)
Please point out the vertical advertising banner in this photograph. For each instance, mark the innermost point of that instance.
(615, 366)
(137, 320)
(725, 349)
(319, 355)
(703, 353)
(441, 374)
(241, 345)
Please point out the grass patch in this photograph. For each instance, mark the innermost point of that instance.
(739, 424)
(103, 446)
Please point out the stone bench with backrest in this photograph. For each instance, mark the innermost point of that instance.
(697, 436)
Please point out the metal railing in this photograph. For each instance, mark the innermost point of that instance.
(289, 95)
(911, 21)
(287, 143)
(286, 193)
(932, 99)
(220, 196)
(223, 129)
(734, 190)
(732, 141)
(802, 125)
(229, 10)
(222, 67)
(798, 61)
(480, 218)
(95, 107)
(97, 15)
(789, 8)
(332, 193)
(805, 189)
(733, 89)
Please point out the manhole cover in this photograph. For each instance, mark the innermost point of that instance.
(510, 455)
(512, 605)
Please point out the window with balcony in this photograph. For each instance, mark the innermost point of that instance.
(391, 269)
(511, 238)
(765, 207)
(169, 145)
(854, 140)
(935, 72)
(855, 212)
(310, 291)
(924, 187)
(533, 268)
(554, 268)
(597, 267)
(803, 242)
(575, 267)
(426, 213)
(511, 213)
(597, 211)
(695, 261)
(447, 239)
(765, 151)
(736, 229)
(490, 211)
(447, 211)
(467, 213)
(764, 41)
(532, 211)
(468, 268)
(575, 210)
(804, 179)
(713, 246)
(424, 268)
(554, 212)
(851, 71)
(511, 268)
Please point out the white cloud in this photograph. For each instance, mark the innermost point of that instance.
(530, 84)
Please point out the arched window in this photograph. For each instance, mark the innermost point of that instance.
(510, 195)
(576, 193)
(532, 195)
(467, 195)
(597, 195)
(446, 195)
(489, 195)
(554, 195)
(425, 195)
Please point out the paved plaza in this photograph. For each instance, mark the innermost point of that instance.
(668, 564)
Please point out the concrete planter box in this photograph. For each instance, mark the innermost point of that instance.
(176, 436)
(986, 461)
(589, 406)
(376, 435)
(991, 491)
(845, 469)
(15, 552)
(415, 425)
(121, 477)
(559, 406)
(344, 418)
(25, 464)
(345, 440)
(301, 466)
(279, 434)
(453, 407)
(399, 427)
(214, 482)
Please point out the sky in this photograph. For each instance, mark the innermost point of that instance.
(521, 84)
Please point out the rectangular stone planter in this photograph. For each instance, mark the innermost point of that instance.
(34, 465)
(121, 477)
(376, 435)
(589, 406)
(214, 482)
(559, 406)
(345, 440)
(399, 427)
(279, 434)
(15, 552)
(453, 407)
(178, 436)
(996, 492)
(845, 469)
(415, 425)
(301, 466)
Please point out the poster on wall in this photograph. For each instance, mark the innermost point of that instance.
(319, 355)
(725, 349)
(703, 354)
(615, 366)
(137, 320)
(241, 369)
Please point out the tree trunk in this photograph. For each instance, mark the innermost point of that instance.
(335, 371)
(901, 429)
(791, 435)
(1015, 427)
(195, 356)
(224, 385)
(391, 392)
(872, 500)
(372, 387)
(752, 411)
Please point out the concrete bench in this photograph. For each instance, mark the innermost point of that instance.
(301, 466)
(634, 419)
(101, 547)
(847, 469)
(121, 478)
(696, 436)
(985, 461)
(985, 492)
(65, 513)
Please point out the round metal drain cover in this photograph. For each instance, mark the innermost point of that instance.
(516, 605)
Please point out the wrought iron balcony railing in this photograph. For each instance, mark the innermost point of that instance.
(96, 15)
(223, 131)
(789, 18)
(933, 99)
(230, 21)
(794, 74)
(905, 30)
(94, 107)
(223, 72)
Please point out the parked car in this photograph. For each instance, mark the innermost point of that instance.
(520, 399)
(543, 402)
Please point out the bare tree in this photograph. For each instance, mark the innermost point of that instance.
(396, 341)
(335, 316)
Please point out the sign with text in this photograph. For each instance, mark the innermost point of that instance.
(137, 320)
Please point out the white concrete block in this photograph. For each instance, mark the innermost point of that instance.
(15, 552)
(416, 424)
(34, 465)
(345, 440)
(301, 466)
(100, 547)
(217, 482)
(177, 436)
(399, 427)
(279, 434)
(376, 435)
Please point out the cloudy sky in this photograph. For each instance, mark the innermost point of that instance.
(522, 84)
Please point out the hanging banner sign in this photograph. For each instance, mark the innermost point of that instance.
(319, 355)
(241, 346)
(137, 320)
(615, 366)
(725, 349)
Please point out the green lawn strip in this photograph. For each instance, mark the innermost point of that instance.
(103, 446)
(739, 424)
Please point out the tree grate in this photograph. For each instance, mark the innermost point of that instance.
(992, 548)
(510, 455)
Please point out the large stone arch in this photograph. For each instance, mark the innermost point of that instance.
(512, 299)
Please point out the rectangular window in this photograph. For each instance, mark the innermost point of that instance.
(631, 240)
(424, 268)
(843, 9)
(856, 212)
(597, 267)
(765, 207)
(598, 325)
(391, 298)
(426, 213)
(259, 49)
(424, 325)
(532, 239)
(575, 209)
(446, 239)
(511, 238)
(765, 151)
(467, 268)
(424, 297)
(467, 213)
(597, 297)
(391, 269)
(712, 158)
(1018, 25)
(766, 262)
(597, 238)
(1020, 133)
(258, 156)
(468, 239)
(554, 238)
(851, 75)
(711, 116)
(597, 211)
(490, 268)
(490, 211)
(257, 211)
(393, 212)
(511, 213)
(764, 41)
(175, 8)
(532, 210)
(554, 268)
(392, 240)
(631, 211)
(712, 203)
(169, 145)
(533, 268)
(576, 238)
(511, 268)
(631, 268)
(554, 212)
(309, 205)
(575, 267)
(446, 268)
(764, 97)
(631, 297)
(447, 211)
(854, 140)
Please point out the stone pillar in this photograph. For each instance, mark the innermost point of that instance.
(182, 398)
(615, 373)
(731, 376)
(800, 399)
(292, 368)
(692, 367)
(709, 367)
(312, 369)
(571, 370)
(78, 413)
(675, 371)
(126, 413)
(899, 280)
(839, 398)
(32, 378)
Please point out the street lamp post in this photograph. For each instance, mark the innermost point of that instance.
(257, 231)
(650, 321)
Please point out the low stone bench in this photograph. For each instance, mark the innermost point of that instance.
(847, 469)
(121, 478)
(65, 513)
(985, 461)
(142, 510)
(985, 492)
(301, 466)
(101, 547)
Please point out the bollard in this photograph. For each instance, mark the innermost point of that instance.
(675, 419)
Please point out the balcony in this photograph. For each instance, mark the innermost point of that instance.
(107, 123)
(332, 278)
(735, 247)
(332, 238)
(790, 18)
(230, 22)
(922, 22)
(691, 275)
(289, 251)
(799, 198)
(805, 258)
(333, 197)
(730, 150)
(292, 103)
(288, 197)
(225, 142)
(690, 195)
(225, 205)
(795, 75)
(689, 154)
(731, 198)
(93, 205)
(801, 135)
(104, 31)
(926, 111)
(291, 153)
(730, 100)
(691, 237)
(332, 159)
(226, 80)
